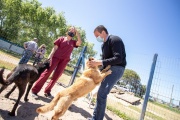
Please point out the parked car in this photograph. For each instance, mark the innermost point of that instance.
(151, 98)
(124, 88)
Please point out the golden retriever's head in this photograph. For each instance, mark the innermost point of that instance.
(87, 64)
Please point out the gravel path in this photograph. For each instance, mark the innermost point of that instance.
(26, 110)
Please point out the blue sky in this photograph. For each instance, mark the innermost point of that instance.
(146, 27)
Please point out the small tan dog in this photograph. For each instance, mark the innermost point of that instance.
(93, 94)
(84, 84)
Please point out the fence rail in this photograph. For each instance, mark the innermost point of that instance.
(11, 46)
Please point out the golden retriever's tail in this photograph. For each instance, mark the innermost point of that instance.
(49, 106)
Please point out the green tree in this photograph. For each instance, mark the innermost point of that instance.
(10, 18)
(23, 20)
(42, 23)
(132, 78)
(143, 90)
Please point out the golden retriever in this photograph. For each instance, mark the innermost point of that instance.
(84, 84)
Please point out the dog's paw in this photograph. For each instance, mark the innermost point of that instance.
(6, 96)
(109, 72)
(38, 110)
(108, 67)
(55, 118)
(11, 114)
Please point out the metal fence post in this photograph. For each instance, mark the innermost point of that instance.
(81, 58)
(148, 87)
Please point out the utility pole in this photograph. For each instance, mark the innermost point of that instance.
(171, 95)
(143, 111)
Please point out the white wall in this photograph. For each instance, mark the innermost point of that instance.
(10, 46)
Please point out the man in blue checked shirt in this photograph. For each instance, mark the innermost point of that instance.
(30, 47)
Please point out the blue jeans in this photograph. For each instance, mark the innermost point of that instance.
(36, 60)
(105, 87)
(26, 56)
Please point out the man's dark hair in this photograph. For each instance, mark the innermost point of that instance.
(101, 28)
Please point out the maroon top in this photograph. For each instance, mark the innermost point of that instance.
(64, 48)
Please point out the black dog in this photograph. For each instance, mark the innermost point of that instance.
(21, 75)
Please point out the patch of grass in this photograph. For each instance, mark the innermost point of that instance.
(135, 108)
(155, 117)
(176, 110)
(148, 114)
(6, 65)
(10, 53)
(118, 113)
(123, 109)
(69, 71)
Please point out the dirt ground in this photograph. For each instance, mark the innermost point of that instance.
(26, 110)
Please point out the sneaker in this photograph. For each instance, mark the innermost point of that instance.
(48, 95)
(34, 95)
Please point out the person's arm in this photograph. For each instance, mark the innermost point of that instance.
(52, 51)
(78, 43)
(25, 45)
(35, 47)
(38, 51)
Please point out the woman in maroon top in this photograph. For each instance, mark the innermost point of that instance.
(59, 57)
